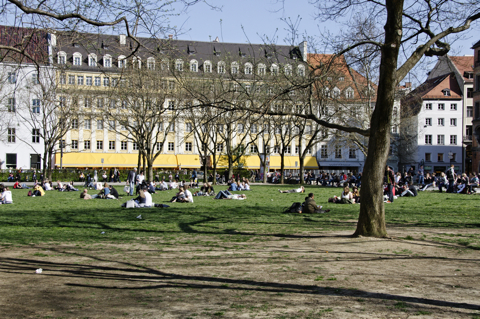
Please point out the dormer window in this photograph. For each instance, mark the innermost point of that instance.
(207, 67)
(288, 69)
(92, 59)
(349, 93)
(301, 70)
(248, 68)
(468, 75)
(77, 59)
(234, 68)
(336, 92)
(137, 62)
(179, 65)
(107, 61)
(62, 57)
(260, 69)
(221, 67)
(216, 53)
(151, 63)
(193, 65)
(164, 65)
(122, 62)
(274, 69)
(446, 92)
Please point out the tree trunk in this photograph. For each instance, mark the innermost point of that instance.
(205, 170)
(282, 168)
(302, 169)
(139, 163)
(371, 221)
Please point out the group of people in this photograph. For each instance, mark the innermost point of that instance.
(106, 192)
(5, 195)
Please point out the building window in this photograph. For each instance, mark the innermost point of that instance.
(240, 128)
(253, 128)
(179, 65)
(62, 58)
(35, 135)
(276, 149)
(309, 151)
(453, 140)
(71, 79)
(428, 139)
(35, 79)
(253, 148)
(74, 145)
(12, 77)
(453, 107)
(74, 124)
(99, 145)
(171, 146)
(221, 67)
(297, 149)
(446, 92)
(453, 122)
(469, 92)
(36, 106)
(338, 152)
(440, 157)
(77, 59)
(11, 106)
(62, 144)
(301, 70)
(87, 124)
(92, 60)
(11, 135)
(234, 68)
(441, 106)
(86, 145)
(352, 153)
(111, 145)
(261, 69)
(194, 66)
(469, 111)
(428, 106)
(324, 151)
(159, 146)
(89, 81)
(97, 81)
(441, 122)
(106, 81)
(288, 149)
(428, 157)
(100, 103)
(220, 147)
(188, 146)
(207, 67)
(80, 80)
(63, 79)
(441, 139)
(428, 122)
(99, 124)
(248, 68)
(188, 127)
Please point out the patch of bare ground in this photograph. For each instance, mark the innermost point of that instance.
(325, 274)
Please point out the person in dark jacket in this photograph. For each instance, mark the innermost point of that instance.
(113, 191)
(310, 207)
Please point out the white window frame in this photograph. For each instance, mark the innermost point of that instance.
(77, 59)
(92, 60)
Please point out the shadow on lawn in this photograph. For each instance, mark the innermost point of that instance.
(126, 275)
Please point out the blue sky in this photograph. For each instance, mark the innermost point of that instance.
(243, 21)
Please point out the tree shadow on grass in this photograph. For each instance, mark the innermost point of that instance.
(128, 276)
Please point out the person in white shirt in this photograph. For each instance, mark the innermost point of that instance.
(6, 197)
(188, 195)
(301, 189)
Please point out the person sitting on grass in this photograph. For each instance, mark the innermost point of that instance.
(205, 190)
(113, 192)
(85, 195)
(301, 189)
(144, 198)
(17, 185)
(38, 191)
(6, 196)
(356, 195)
(409, 191)
(310, 207)
(179, 197)
(70, 187)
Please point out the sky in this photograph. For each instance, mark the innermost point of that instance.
(241, 21)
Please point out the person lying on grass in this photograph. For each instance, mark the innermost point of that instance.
(144, 199)
(301, 189)
(227, 195)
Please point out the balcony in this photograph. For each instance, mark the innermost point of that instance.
(467, 138)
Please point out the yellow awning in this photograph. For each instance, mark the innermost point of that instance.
(291, 162)
(189, 161)
(248, 161)
(110, 160)
(310, 162)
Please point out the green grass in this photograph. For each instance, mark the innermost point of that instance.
(64, 217)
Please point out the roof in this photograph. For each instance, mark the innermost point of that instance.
(336, 67)
(463, 64)
(32, 42)
(432, 89)
(100, 44)
(476, 45)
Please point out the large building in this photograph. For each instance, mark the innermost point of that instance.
(98, 101)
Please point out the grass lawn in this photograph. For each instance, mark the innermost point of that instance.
(64, 217)
(237, 259)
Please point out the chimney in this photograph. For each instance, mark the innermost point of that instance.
(170, 36)
(53, 40)
(303, 50)
(123, 39)
(408, 84)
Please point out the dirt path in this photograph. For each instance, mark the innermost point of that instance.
(328, 275)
